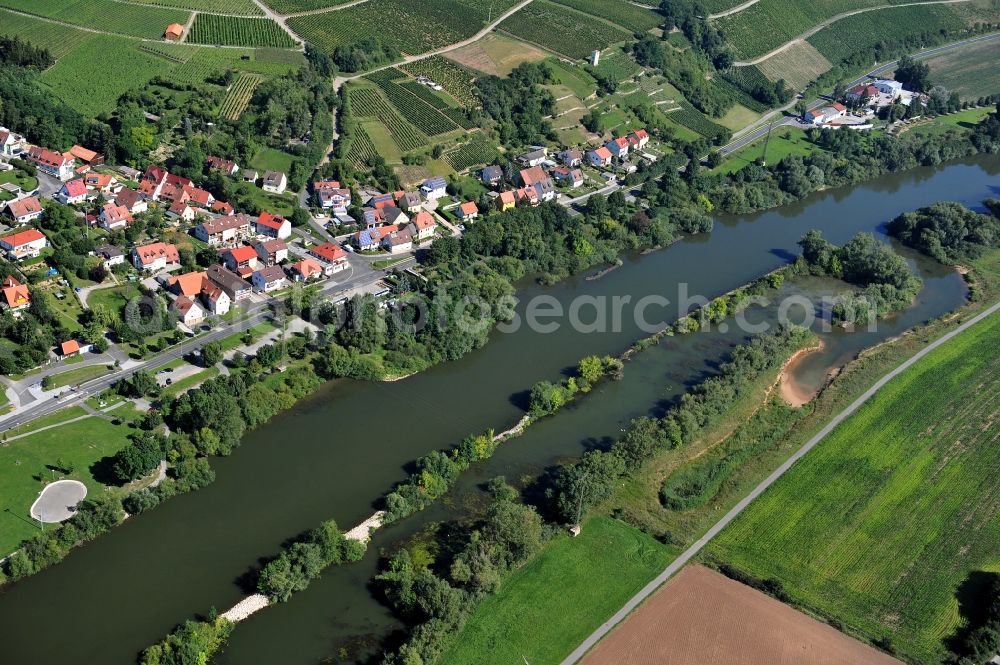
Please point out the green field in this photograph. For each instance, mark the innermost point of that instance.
(562, 30)
(238, 31)
(884, 520)
(545, 609)
(76, 376)
(617, 65)
(238, 96)
(368, 102)
(105, 15)
(784, 142)
(621, 12)
(90, 90)
(205, 61)
(456, 80)
(293, 6)
(942, 124)
(969, 71)
(797, 65)
(58, 39)
(79, 444)
(269, 159)
(242, 7)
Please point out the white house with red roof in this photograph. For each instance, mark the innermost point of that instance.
(423, 225)
(214, 298)
(25, 210)
(466, 212)
(14, 296)
(304, 270)
(105, 183)
(156, 256)
(56, 164)
(273, 226)
(638, 139)
(25, 244)
(188, 311)
(331, 196)
(227, 166)
(599, 157)
(618, 147)
(114, 217)
(72, 192)
(241, 260)
(333, 255)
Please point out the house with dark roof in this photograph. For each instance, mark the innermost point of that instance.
(434, 188)
(25, 210)
(572, 157)
(568, 177)
(271, 278)
(110, 256)
(132, 201)
(227, 166)
(188, 311)
(274, 182)
(224, 231)
(235, 286)
(271, 251)
(398, 242)
(11, 144)
(491, 176)
(534, 157)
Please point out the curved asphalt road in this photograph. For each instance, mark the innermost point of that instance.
(689, 553)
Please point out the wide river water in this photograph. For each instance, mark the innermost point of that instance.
(337, 452)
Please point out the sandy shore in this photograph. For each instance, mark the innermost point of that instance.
(791, 391)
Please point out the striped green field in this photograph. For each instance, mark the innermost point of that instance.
(562, 30)
(239, 7)
(619, 12)
(105, 15)
(238, 31)
(880, 525)
(58, 39)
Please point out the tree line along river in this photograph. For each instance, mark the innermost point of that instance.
(334, 454)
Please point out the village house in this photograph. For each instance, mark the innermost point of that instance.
(110, 256)
(367, 240)
(25, 210)
(826, 114)
(568, 177)
(188, 311)
(70, 348)
(241, 260)
(132, 201)
(25, 244)
(189, 284)
(86, 156)
(529, 196)
(491, 176)
(571, 158)
(273, 226)
(599, 157)
(199, 197)
(534, 157)
(331, 196)
(889, 87)
(409, 201)
(105, 183)
(274, 182)
(398, 242)
(227, 166)
(215, 300)
(506, 201)
(181, 211)
(72, 192)
(222, 208)
(250, 175)
(860, 93)
(50, 162)
(114, 217)
(173, 32)
(423, 225)
(129, 173)
(235, 286)
(11, 144)
(380, 201)
(537, 179)
(270, 252)
(618, 147)
(271, 278)
(223, 231)
(373, 217)
(467, 212)
(156, 256)
(434, 188)
(393, 215)
(332, 255)
(15, 296)
(304, 270)
(638, 139)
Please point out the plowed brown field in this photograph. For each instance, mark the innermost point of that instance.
(701, 617)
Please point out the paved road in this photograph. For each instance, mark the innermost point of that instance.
(689, 553)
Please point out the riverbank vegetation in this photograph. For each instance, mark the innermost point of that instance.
(948, 231)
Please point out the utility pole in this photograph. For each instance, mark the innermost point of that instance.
(767, 139)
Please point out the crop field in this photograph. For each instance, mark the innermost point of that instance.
(970, 71)
(737, 81)
(293, 6)
(799, 64)
(695, 120)
(416, 27)
(882, 522)
(479, 152)
(240, 7)
(362, 149)
(123, 67)
(456, 80)
(863, 31)
(562, 30)
(369, 103)
(785, 20)
(58, 39)
(237, 31)
(238, 97)
(716, 6)
(617, 65)
(419, 113)
(206, 61)
(620, 12)
(546, 608)
(118, 17)
(426, 94)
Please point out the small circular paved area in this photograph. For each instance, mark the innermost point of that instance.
(58, 501)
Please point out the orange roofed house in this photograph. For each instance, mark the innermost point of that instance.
(174, 32)
(15, 296)
(155, 257)
(24, 244)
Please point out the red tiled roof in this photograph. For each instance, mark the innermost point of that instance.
(424, 220)
(329, 252)
(603, 153)
(153, 251)
(468, 208)
(270, 221)
(23, 237)
(72, 346)
(24, 207)
(76, 187)
(242, 253)
(307, 268)
(188, 284)
(83, 154)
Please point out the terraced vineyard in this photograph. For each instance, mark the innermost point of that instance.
(419, 113)
(206, 61)
(362, 148)
(798, 65)
(621, 12)
(883, 521)
(864, 31)
(241, 7)
(562, 30)
(617, 65)
(239, 95)
(105, 15)
(369, 103)
(695, 120)
(738, 80)
(237, 31)
(58, 39)
(479, 152)
(456, 80)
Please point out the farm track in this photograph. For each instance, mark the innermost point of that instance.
(734, 10)
(830, 21)
(322, 10)
(717, 528)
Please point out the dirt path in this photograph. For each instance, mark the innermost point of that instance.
(280, 20)
(830, 21)
(734, 10)
(323, 10)
(187, 27)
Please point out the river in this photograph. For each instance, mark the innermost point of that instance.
(336, 452)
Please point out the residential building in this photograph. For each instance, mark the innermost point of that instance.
(199, 197)
(373, 217)
(331, 196)
(14, 296)
(533, 158)
(250, 175)
(571, 158)
(304, 270)
(398, 242)
(271, 278)
(380, 201)
(618, 147)
(368, 239)
(568, 177)
(491, 176)
(50, 162)
(72, 192)
(227, 166)
(409, 201)
(423, 225)
(222, 208)
(25, 210)
(86, 156)
(599, 157)
(860, 92)
(393, 215)
(273, 226)
(333, 255)
(188, 311)
(638, 139)
(434, 188)
(826, 114)
(528, 195)
(181, 211)
(242, 260)
(69, 348)
(11, 144)
(224, 231)
(132, 201)
(111, 256)
(129, 173)
(467, 212)
(189, 284)
(156, 256)
(270, 252)
(274, 182)
(215, 300)
(235, 287)
(25, 244)
(537, 179)
(889, 87)
(105, 183)
(114, 217)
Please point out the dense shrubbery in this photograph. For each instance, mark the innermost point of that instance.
(303, 561)
(191, 643)
(547, 397)
(518, 104)
(949, 231)
(884, 277)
